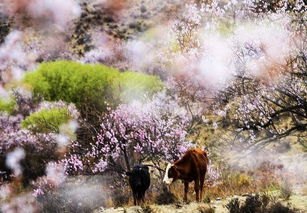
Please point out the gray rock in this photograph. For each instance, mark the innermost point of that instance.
(143, 9)
(114, 210)
(134, 209)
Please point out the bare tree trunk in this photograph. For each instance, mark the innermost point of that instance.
(126, 159)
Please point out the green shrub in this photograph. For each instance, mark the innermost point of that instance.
(46, 120)
(89, 86)
(135, 85)
(7, 105)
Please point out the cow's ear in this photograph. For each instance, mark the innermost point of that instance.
(128, 173)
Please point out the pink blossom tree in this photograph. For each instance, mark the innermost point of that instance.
(39, 147)
(269, 110)
(137, 132)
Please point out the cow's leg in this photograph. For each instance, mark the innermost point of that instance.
(186, 190)
(196, 187)
(134, 198)
(201, 183)
(139, 197)
(143, 197)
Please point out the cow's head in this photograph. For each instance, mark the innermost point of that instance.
(171, 174)
(137, 174)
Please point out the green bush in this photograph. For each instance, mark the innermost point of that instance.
(89, 86)
(46, 120)
(135, 85)
(7, 105)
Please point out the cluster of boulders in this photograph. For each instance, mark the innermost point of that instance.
(98, 18)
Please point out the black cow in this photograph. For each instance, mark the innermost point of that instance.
(139, 180)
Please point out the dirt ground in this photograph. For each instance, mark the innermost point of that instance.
(296, 201)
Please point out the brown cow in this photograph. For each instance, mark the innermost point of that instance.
(191, 167)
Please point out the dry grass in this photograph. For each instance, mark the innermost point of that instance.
(234, 185)
(304, 190)
(230, 183)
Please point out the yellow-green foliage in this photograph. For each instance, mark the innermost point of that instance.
(242, 180)
(46, 120)
(206, 134)
(225, 28)
(135, 85)
(7, 105)
(89, 85)
(237, 180)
